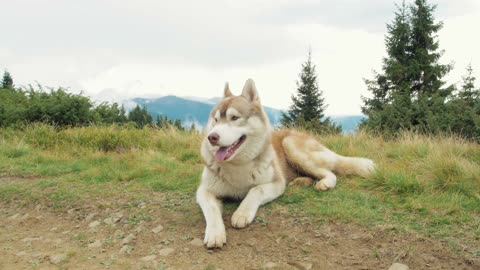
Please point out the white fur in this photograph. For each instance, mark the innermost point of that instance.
(228, 133)
(251, 173)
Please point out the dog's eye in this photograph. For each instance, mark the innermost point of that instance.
(235, 118)
(216, 120)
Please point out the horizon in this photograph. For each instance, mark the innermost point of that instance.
(158, 49)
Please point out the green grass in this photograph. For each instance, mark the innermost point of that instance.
(429, 185)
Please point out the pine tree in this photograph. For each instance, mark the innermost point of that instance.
(468, 93)
(409, 92)
(426, 73)
(7, 80)
(140, 116)
(193, 127)
(463, 109)
(391, 89)
(308, 105)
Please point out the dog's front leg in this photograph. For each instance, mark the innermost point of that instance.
(215, 235)
(257, 196)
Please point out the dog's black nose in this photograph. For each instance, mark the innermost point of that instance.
(213, 138)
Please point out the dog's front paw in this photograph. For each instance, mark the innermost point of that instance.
(215, 237)
(242, 219)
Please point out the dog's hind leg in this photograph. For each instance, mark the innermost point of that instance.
(303, 181)
(312, 158)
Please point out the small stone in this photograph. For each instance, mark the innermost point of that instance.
(140, 228)
(71, 211)
(14, 216)
(95, 244)
(270, 265)
(149, 258)
(114, 218)
(128, 239)
(398, 266)
(25, 216)
(251, 242)
(157, 229)
(21, 253)
(37, 254)
(301, 265)
(58, 258)
(53, 229)
(126, 249)
(165, 251)
(90, 217)
(142, 205)
(118, 234)
(186, 249)
(31, 239)
(94, 224)
(196, 242)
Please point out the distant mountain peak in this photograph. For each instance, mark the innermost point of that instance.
(197, 109)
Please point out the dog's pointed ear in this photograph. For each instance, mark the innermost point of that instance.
(250, 91)
(226, 91)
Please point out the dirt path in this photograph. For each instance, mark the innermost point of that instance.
(99, 237)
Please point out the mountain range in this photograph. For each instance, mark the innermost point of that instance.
(196, 110)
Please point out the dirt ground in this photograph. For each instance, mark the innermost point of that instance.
(105, 236)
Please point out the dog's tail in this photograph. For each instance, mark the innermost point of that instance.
(354, 165)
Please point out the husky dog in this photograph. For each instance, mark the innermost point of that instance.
(245, 160)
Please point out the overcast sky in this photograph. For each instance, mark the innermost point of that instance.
(121, 49)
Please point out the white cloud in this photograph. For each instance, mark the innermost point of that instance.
(118, 49)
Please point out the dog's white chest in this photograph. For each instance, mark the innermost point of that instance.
(235, 181)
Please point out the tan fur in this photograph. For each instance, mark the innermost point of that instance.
(262, 165)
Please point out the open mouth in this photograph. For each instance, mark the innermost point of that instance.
(224, 152)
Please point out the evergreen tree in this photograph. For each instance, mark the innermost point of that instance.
(409, 92)
(122, 116)
(463, 109)
(178, 124)
(308, 105)
(7, 80)
(468, 93)
(140, 116)
(426, 73)
(193, 128)
(391, 89)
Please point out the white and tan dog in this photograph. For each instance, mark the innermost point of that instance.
(246, 160)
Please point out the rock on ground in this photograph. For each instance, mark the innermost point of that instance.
(196, 242)
(95, 244)
(58, 258)
(166, 251)
(270, 265)
(302, 265)
(128, 239)
(126, 249)
(157, 229)
(149, 258)
(94, 224)
(398, 266)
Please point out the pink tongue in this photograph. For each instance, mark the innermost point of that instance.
(221, 153)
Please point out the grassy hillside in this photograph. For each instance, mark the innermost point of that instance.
(430, 186)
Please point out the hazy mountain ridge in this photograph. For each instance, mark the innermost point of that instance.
(196, 110)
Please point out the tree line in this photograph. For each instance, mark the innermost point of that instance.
(409, 93)
(63, 109)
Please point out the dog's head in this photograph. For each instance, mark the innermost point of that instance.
(238, 128)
